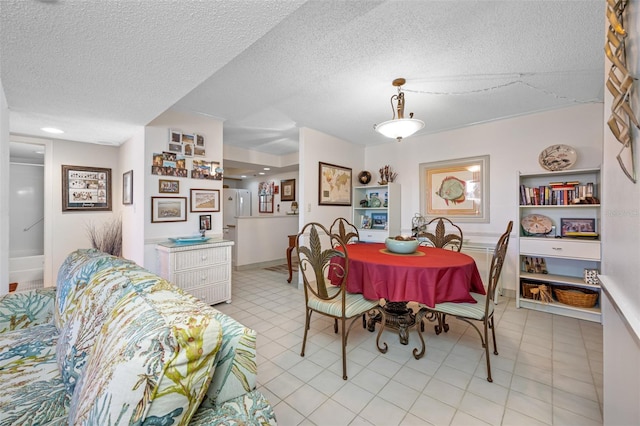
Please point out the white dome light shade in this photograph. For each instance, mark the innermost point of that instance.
(399, 128)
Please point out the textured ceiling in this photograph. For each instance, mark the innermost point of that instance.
(100, 69)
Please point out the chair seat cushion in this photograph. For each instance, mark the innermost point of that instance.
(467, 310)
(355, 304)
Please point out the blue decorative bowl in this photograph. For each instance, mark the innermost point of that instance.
(401, 246)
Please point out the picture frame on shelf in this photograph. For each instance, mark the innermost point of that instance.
(168, 209)
(86, 188)
(578, 227)
(127, 188)
(365, 222)
(288, 192)
(334, 185)
(205, 222)
(457, 189)
(205, 200)
(378, 220)
(166, 186)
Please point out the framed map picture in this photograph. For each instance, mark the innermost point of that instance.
(334, 185)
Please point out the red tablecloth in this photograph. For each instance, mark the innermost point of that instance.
(435, 277)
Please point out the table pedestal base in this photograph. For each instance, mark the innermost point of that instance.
(401, 318)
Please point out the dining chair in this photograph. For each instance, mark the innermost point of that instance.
(321, 256)
(482, 310)
(348, 234)
(447, 234)
(345, 230)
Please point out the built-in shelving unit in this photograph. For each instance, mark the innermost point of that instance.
(379, 215)
(565, 259)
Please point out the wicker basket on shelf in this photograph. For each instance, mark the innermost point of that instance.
(526, 289)
(577, 297)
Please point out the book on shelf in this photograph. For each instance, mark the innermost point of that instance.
(558, 194)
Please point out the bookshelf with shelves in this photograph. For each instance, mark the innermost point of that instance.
(376, 211)
(565, 258)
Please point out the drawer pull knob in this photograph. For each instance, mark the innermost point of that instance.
(557, 248)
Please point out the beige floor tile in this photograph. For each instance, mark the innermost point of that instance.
(549, 370)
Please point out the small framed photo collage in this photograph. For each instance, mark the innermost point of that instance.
(175, 161)
(181, 146)
(187, 144)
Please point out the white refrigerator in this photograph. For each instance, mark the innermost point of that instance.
(235, 202)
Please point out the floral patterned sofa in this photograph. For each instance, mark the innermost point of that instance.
(115, 344)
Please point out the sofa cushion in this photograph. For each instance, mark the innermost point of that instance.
(152, 361)
(84, 316)
(236, 367)
(26, 309)
(249, 409)
(32, 392)
(74, 276)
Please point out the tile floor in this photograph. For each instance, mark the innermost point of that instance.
(549, 371)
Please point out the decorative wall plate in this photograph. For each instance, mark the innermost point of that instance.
(364, 177)
(536, 224)
(558, 157)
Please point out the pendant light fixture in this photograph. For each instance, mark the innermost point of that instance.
(400, 127)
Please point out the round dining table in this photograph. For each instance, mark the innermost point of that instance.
(428, 276)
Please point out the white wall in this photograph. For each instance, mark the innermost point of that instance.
(69, 229)
(131, 157)
(318, 147)
(620, 252)
(4, 193)
(263, 239)
(156, 141)
(512, 144)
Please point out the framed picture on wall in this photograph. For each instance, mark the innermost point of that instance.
(86, 188)
(205, 200)
(334, 185)
(205, 222)
(168, 209)
(166, 186)
(127, 188)
(457, 189)
(288, 192)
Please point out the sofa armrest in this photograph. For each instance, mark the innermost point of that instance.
(27, 308)
(236, 367)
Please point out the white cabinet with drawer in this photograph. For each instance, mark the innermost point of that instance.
(202, 269)
(557, 261)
